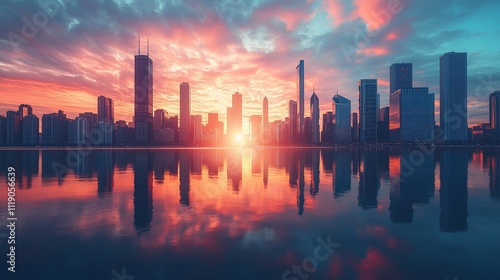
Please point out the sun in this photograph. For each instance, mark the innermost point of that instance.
(238, 139)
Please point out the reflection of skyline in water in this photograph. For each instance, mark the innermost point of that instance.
(453, 192)
(143, 191)
(251, 204)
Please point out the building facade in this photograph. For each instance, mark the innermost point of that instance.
(453, 96)
(341, 108)
(314, 114)
(185, 113)
(367, 89)
(143, 99)
(411, 115)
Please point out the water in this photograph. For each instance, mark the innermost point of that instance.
(254, 214)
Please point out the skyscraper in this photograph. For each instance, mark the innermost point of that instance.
(256, 128)
(143, 98)
(237, 113)
(105, 110)
(159, 119)
(300, 97)
(314, 112)
(197, 128)
(3, 130)
(367, 110)
(342, 119)
(400, 76)
(411, 115)
(185, 113)
(453, 96)
(495, 115)
(383, 125)
(265, 120)
(292, 115)
(30, 130)
(355, 127)
(12, 130)
(54, 129)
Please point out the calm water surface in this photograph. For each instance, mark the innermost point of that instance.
(254, 214)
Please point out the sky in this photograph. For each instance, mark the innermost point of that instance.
(62, 54)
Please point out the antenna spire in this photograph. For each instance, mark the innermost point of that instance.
(147, 41)
(139, 44)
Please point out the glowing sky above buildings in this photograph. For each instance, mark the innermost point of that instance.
(87, 49)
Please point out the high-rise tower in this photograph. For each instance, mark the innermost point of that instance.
(143, 97)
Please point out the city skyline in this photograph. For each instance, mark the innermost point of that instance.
(248, 66)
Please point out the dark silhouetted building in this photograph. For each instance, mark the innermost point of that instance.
(54, 129)
(265, 120)
(327, 134)
(355, 128)
(314, 113)
(400, 76)
(453, 96)
(383, 125)
(31, 131)
(300, 97)
(105, 110)
(495, 115)
(411, 115)
(185, 113)
(292, 116)
(143, 99)
(3, 131)
(453, 192)
(13, 128)
(367, 110)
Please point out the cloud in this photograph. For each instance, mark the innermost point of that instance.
(253, 46)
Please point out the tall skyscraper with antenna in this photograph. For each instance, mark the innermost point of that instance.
(265, 120)
(300, 96)
(143, 96)
(185, 113)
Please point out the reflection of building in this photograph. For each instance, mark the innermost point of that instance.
(143, 191)
(453, 96)
(28, 166)
(495, 175)
(367, 110)
(342, 172)
(300, 190)
(453, 192)
(234, 169)
(368, 181)
(414, 184)
(105, 173)
(184, 177)
(315, 172)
